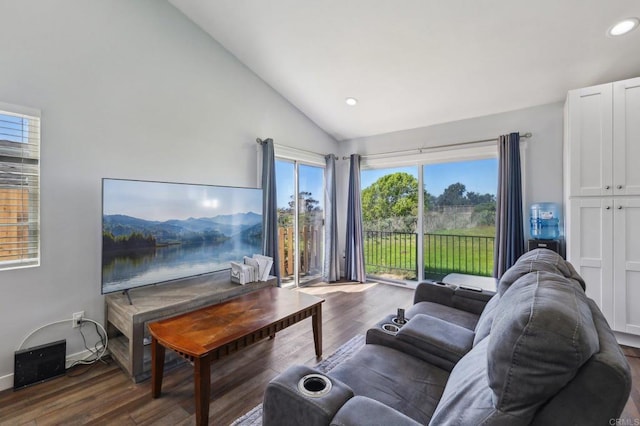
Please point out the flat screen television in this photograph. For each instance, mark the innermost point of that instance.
(154, 232)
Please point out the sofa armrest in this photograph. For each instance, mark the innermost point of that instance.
(434, 291)
(433, 337)
(466, 298)
(471, 299)
(428, 338)
(364, 411)
(286, 404)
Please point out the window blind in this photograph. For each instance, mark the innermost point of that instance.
(19, 190)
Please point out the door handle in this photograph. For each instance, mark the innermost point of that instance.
(607, 187)
(608, 207)
(619, 207)
(619, 186)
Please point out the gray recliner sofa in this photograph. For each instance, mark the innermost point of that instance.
(537, 352)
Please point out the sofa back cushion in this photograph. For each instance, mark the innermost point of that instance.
(536, 261)
(530, 262)
(541, 335)
(600, 390)
(483, 326)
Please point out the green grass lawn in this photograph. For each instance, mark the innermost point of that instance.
(468, 251)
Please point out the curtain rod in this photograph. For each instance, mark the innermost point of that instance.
(262, 142)
(407, 151)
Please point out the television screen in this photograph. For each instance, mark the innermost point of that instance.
(154, 232)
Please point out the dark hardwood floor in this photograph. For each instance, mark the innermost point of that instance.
(104, 395)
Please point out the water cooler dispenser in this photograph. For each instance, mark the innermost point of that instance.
(545, 222)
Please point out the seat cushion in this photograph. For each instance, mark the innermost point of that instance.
(459, 317)
(468, 399)
(372, 412)
(437, 337)
(404, 383)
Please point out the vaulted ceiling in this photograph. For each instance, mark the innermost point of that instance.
(415, 63)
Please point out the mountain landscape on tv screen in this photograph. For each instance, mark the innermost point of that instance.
(121, 228)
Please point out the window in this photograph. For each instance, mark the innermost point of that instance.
(450, 231)
(19, 187)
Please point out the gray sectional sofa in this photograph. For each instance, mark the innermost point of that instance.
(538, 351)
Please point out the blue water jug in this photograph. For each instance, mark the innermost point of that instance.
(545, 221)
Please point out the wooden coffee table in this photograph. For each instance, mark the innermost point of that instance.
(212, 332)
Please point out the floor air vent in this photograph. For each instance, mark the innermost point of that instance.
(38, 364)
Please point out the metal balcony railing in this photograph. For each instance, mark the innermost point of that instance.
(464, 254)
(396, 253)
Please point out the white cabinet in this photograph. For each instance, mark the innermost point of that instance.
(590, 141)
(626, 137)
(626, 264)
(590, 248)
(603, 139)
(602, 191)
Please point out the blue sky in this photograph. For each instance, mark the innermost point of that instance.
(13, 128)
(479, 176)
(311, 180)
(163, 201)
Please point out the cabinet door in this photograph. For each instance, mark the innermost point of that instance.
(589, 248)
(589, 150)
(626, 137)
(626, 269)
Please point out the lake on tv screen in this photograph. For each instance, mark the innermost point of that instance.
(172, 262)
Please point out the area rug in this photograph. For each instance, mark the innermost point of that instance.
(254, 417)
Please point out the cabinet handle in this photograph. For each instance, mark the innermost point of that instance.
(608, 207)
(619, 207)
(607, 187)
(619, 187)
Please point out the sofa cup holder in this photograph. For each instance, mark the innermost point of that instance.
(390, 328)
(398, 323)
(314, 385)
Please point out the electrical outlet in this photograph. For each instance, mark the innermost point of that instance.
(77, 319)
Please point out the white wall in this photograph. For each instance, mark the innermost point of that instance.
(542, 168)
(127, 89)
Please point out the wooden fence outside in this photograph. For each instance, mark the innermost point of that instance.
(14, 230)
(310, 245)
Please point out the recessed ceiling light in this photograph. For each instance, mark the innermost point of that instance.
(624, 26)
(351, 101)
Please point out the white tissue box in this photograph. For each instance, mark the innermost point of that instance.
(241, 273)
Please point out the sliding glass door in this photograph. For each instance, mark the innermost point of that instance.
(300, 190)
(390, 200)
(459, 217)
(452, 232)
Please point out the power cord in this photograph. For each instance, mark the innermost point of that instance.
(98, 351)
(95, 352)
(40, 328)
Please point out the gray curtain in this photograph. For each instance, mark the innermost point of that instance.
(354, 253)
(331, 268)
(509, 243)
(269, 206)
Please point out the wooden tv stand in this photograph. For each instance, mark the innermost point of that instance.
(127, 324)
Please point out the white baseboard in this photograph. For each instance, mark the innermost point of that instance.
(6, 382)
(627, 339)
